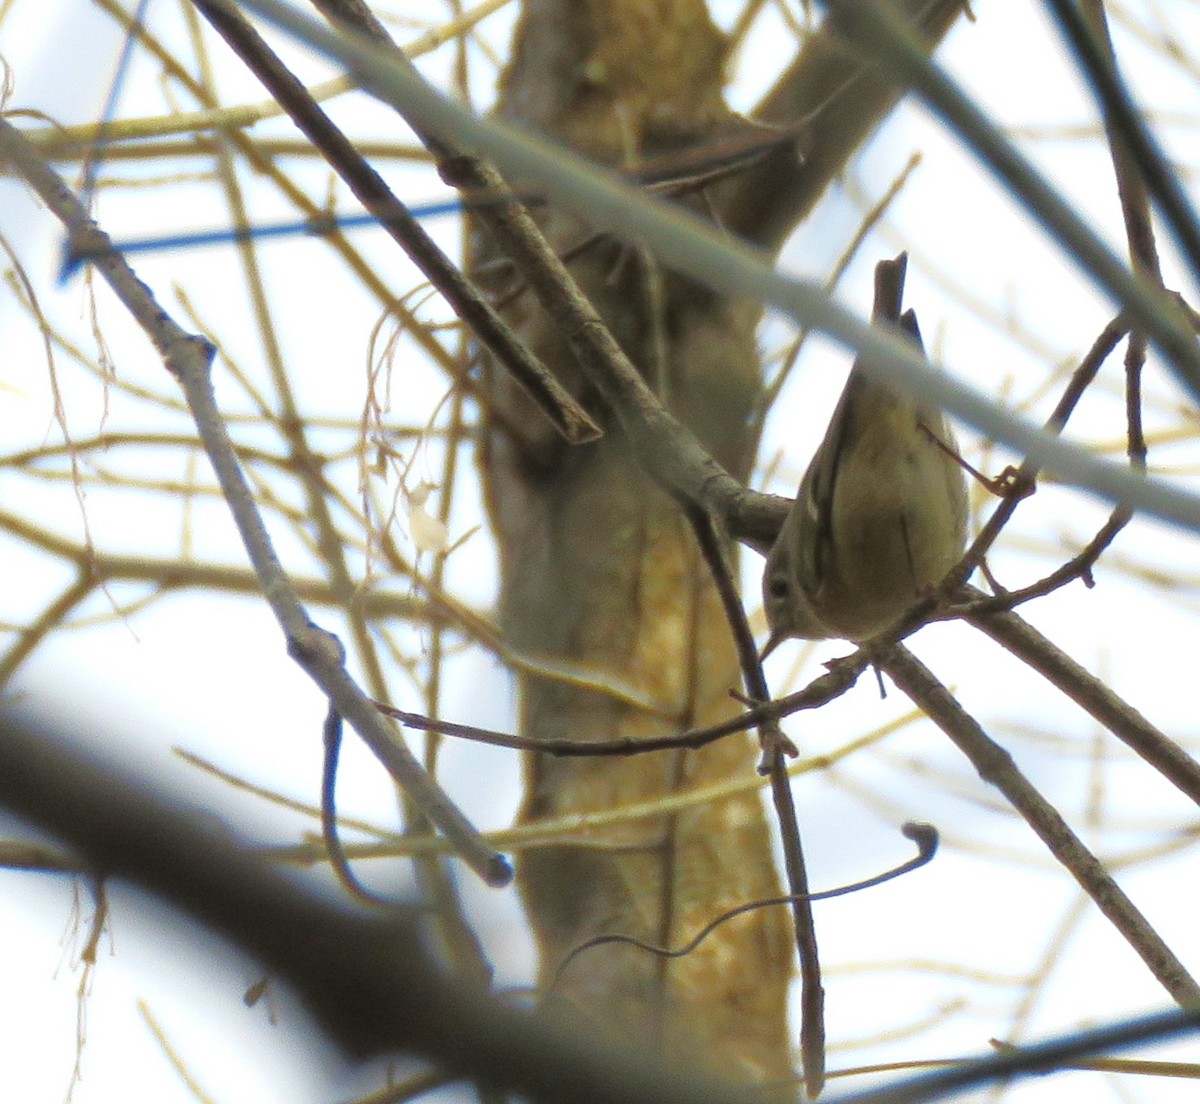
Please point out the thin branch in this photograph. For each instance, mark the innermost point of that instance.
(188, 358)
(876, 31)
(1023, 481)
(1060, 1053)
(840, 677)
(775, 748)
(1124, 120)
(996, 766)
(330, 836)
(1133, 164)
(685, 244)
(37, 858)
(368, 977)
(60, 142)
(925, 836)
(51, 618)
(1093, 696)
(567, 416)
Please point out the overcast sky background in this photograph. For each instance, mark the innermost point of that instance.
(997, 304)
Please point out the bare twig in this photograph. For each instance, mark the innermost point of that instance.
(568, 417)
(1125, 123)
(841, 675)
(1022, 483)
(926, 838)
(996, 766)
(368, 977)
(35, 857)
(685, 244)
(775, 748)
(338, 862)
(876, 31)
(1088, 692)
(188, 358)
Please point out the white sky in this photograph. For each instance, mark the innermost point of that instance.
(210, 674)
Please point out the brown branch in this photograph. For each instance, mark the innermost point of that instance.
(836, 98)
(712, 549)
(1022, 483)
(1143, 252)
(571, 420)
(367, 976)
(775, 748)
(1090, 694)
(1128, 135)
(925, 836)
(664, 445)
(1078, 566)
(37, 858)
(841, 676)
(188, 358)
(996, 766)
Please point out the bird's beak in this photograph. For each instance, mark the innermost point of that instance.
(773, 641)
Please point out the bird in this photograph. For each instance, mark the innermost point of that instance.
(881, 513)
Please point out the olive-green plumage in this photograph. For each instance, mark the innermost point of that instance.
(881, 512)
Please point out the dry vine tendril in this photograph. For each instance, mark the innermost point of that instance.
(925, 836)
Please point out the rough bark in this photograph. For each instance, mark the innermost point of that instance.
(600, 573)
(833, 99)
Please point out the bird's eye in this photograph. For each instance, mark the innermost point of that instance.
(777, 586)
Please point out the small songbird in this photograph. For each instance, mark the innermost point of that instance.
(881, 514)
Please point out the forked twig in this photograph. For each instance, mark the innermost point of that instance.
(188, 358)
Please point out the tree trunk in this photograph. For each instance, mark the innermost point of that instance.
(601, 577)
